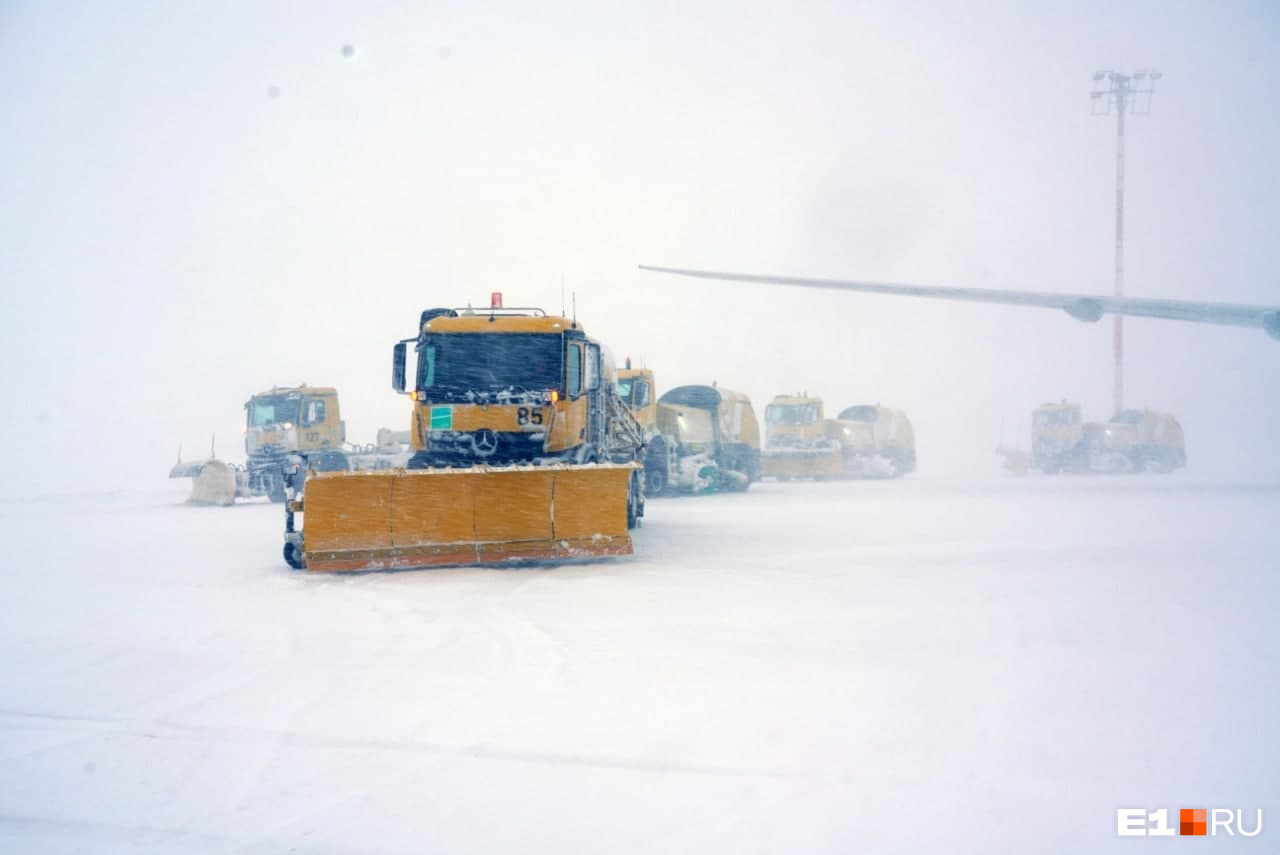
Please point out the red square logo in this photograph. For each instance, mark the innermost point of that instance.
(1193, 821)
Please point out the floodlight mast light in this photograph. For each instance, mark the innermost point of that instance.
(1126, 92)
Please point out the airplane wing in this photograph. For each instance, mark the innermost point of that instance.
(1082, 307)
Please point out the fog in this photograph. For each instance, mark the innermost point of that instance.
(201, 202)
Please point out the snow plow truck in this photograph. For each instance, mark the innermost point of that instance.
(522, 451)
(279, 423)
(1132, 441)
(796, 443)
(698, 439)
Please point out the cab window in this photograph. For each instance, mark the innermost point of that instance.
(591, 374)
(574, 371)
(314, 412)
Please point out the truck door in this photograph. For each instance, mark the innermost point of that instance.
(313, 432)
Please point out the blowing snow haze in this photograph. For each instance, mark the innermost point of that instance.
(202, 202)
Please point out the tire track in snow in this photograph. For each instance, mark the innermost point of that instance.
(123, 727)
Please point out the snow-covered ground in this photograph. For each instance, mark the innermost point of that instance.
(916, 666)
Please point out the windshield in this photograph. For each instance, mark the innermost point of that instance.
(273, 410)
(688, 424)
(458, 366)
(791, 414)
(1128, 417)
(1043, 418)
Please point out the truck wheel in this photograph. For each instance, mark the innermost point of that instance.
(655, 468)
(330, 461)
(293, 556)
(635, 507)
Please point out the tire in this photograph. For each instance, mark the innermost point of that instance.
(909, 461)
(293, 557)
(635, 506)
(738, 458)
(655, 468)
(275, 489)
(330, 461)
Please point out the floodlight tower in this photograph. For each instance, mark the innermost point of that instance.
(1128, 93)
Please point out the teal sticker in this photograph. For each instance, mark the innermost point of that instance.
(442, 418)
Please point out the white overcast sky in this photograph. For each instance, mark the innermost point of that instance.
(173, 238)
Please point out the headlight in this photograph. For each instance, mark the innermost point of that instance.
(288, 425)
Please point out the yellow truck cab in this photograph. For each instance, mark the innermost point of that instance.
(1057, 438)
(501, 386)
(285, 420)
(637, 390)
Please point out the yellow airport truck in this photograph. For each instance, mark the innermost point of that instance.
(698, 439)
(1136, 441)
(522, 451)
(797, 444)
(280, 423)
(875, 441)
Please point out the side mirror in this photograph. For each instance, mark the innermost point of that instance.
(397, 367)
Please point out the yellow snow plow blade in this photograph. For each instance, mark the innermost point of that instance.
(801, 463)
(480, 515)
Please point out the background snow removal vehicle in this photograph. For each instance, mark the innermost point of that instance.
(522, 450)
(796, 444)
(279, 423)
(708, 439)
(875, 441)
(1133, 441)
(698, 439)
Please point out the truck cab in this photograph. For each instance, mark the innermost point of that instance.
(1057, 435)
(285, 420)
(637, 390)
(794, 421)
(797, 444)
